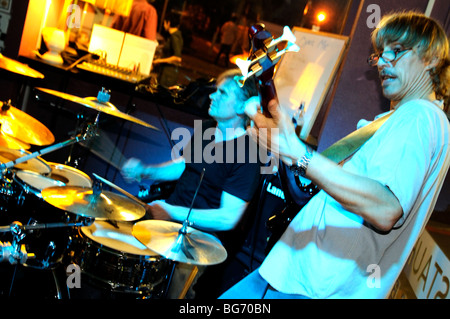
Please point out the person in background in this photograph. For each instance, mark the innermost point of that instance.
(171, 58)
(142, 21)
(228, 37)
(353, 238)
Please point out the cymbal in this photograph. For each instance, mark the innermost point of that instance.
(36, 164)
(85, 202)
(11, 142)
(93, 103)
(24, 127)
(19, 68)
(116, 235)
(193, 247)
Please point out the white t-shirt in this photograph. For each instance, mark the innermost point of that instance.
(329, 252)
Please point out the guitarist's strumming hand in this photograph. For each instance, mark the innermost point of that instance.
(275, 132)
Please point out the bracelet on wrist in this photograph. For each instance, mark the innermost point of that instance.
(300, 167)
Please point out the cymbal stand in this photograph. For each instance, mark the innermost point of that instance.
(68, 161)
(16, 254)
(182, 241)
(91, 131)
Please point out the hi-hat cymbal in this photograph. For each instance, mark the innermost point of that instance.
(24, 127)
(12, 143)
(19, 68)
(36, 164)
(84, 201)
(193, 247)
(92, 103)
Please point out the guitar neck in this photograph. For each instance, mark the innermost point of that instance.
(267, 93)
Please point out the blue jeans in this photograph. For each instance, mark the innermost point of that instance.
(255, 287)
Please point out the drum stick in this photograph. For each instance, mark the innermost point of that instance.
(104, 148)
(188, 283)
(120, 190)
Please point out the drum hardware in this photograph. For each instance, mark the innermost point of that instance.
(91, 130)
(15, 226)
(13, 252)
(16, 254)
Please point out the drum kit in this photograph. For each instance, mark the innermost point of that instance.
(53, 214)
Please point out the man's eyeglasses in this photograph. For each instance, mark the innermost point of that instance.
(388, 56)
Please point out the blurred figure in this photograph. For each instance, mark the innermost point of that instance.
(228, 36)
(171, 52)
(142, 20)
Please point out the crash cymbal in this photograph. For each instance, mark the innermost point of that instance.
(36, 164)
(19, 68)
(193, 247)
(93, 103)
(24, 127)
(86, 202)
(12, 143)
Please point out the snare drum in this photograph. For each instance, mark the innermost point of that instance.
(114, 258)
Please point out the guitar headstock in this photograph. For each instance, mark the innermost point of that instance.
(265, 53)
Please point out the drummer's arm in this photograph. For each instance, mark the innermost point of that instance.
(134, 169)
(224, 218)
(168, 171)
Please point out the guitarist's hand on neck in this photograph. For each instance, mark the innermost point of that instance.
(276, 132)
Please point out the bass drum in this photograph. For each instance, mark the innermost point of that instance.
(112, 258)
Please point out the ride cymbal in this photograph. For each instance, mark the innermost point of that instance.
(93, 103)
(193, 247)
(87, 202)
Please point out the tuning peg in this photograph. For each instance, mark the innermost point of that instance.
(255, 69)
(244, 66)
(287, 36)
(292, 47)
(275, 56)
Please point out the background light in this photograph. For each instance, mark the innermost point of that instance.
(321, 16)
